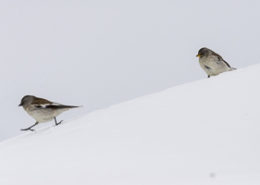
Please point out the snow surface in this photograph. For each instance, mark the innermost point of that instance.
(201, 133)
(98, 53)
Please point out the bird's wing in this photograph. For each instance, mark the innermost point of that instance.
(53, 106)
(221, 59)
(41, 103)
(226, 63)
(60, 106)
(38, 101)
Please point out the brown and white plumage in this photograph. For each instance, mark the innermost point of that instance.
(212, 63)
(43, 110)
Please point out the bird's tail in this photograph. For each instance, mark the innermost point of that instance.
(59, 106)
(232, 68)
(71, 106)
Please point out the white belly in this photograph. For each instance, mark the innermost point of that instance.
(212, 66)
(44, 115)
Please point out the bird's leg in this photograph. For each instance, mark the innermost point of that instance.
(30, 128)
(57, 123)
(208, 76)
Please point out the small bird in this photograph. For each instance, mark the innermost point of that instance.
(212, 63)
(42, 110)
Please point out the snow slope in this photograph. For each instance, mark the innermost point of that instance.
(202, 133)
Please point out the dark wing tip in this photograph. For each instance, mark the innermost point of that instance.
(59, 106)
(227, 63)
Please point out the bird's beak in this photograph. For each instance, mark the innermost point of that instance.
(20, 105)
(198, 55)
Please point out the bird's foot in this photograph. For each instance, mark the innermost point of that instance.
(26, 129)
(57, 123)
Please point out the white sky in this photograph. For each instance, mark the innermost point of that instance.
(97, 53)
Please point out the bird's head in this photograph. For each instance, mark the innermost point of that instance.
(26, 100)
(203, 52)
